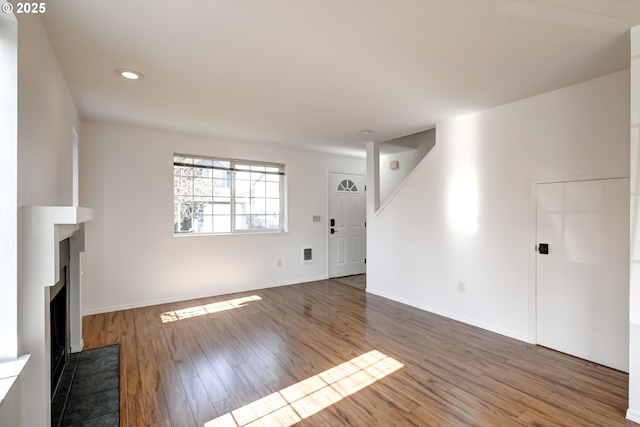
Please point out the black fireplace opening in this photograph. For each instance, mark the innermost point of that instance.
(58, 313)
(59, 319)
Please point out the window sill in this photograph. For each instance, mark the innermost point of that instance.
(236, 233)
(9, 372)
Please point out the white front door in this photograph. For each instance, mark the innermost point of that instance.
(346, 225)
(583, 280)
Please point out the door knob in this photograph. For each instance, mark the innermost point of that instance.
(333, 231)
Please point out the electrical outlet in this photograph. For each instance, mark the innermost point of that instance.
(279, 262)
(462, 287)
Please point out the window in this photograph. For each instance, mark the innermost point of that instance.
(347, 185)
(212, 195)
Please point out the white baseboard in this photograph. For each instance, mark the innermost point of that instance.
(148, 303)
(485, 326)
(77, 348)
(633, 415)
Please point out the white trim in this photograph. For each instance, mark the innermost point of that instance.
(532, 336)
(373, 177)
(75, 168)
(199, 295)
(452, 316)
(9, 303)
(78, 347)
(228, 233)
(10, 370)
(44, 227)
(633, 415)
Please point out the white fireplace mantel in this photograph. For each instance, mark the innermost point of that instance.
(43, 228)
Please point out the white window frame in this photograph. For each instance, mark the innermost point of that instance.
(9, 194)
(11, 366)
(235, 167)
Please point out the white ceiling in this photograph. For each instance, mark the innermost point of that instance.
(314, 73)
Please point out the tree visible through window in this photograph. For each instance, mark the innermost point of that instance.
(226, 196)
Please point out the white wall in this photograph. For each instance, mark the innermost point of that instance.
(46, 115)
(133, 259)
(633, 412)
(408, 159)
(465, 213)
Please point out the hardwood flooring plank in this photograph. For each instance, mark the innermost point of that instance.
(544, 419)
(95, 336)
(224, 407)
(258, 367)
(135, 411)
(201, 406)
(523, 381)
(87, 328)
(127, 326)
(112, 328)
(250, 379)
(142, 331)
(189, 342)
(155, 408)
(430, 416)
(175, 397)
(282, 371)
(259, 355)
(130, 375)
(159, 344)
(611, 396)
(240, 393)
(124, 411)
(484, 408)
(213, 385)
(178, 353)
(588, 409)
(380, 412)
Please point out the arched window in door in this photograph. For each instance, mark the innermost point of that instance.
(347, 185)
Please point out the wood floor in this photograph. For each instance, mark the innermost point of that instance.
(358, 281)
(326, 354)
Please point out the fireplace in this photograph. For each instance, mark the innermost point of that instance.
(44, 227)
(59, 319)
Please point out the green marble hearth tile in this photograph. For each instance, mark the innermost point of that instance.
(94, 397)
(90, 406)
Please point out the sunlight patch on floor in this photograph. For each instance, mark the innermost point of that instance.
(201, 310)
(305, 398)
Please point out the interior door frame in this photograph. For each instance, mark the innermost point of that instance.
(328, 213)
(532, 335)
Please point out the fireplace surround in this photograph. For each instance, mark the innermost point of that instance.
(43, 228)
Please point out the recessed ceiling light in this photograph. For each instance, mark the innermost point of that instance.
(129, 74)
(366, 132)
